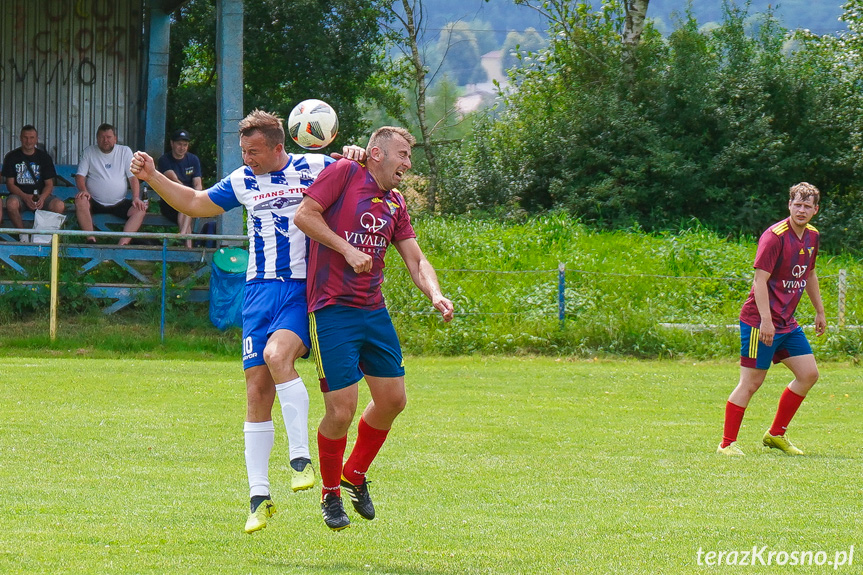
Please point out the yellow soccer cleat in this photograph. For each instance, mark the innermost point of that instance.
(732, 450)
(304, 479)
(258, 518)
(780, 442)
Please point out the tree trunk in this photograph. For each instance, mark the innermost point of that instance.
(636, 13)
(420, 77)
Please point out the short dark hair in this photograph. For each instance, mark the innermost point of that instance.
(388, 133)
(29, 128)
(104, 128)
(804, 191)
(269, 125)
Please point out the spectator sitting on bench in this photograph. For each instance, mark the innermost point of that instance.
(185, 168)
(102, 176)
(29, 174)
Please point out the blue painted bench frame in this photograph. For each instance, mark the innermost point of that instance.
(124, 256)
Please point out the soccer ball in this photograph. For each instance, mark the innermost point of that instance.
(313, 124)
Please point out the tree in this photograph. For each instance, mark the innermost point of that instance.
(518, 46)
(332, 51)
(712, 124)
(412, 71)
(636, 13)
(461, 55)
(486, 36)
(191, 80)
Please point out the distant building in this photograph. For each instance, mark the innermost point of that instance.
(492, 64)
(475, 94)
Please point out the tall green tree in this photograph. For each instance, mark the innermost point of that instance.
(712, 124)
(412, 74)
(519, 47)
(333, 51)
(405, 21)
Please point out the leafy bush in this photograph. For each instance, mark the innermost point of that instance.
(24, 299)
(713, 124)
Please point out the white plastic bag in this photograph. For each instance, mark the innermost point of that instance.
(46, 220)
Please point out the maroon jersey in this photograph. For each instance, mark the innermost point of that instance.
(789, 260)
(370, 219)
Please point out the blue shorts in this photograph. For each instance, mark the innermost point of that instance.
(268, 306)
(753, 352)
(349, 342)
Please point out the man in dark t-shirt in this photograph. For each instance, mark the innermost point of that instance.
(29, 174)
(184, 167)
(784, 269)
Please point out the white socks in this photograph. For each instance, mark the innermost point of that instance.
(260, 436)
(259, 443)
(295, 411)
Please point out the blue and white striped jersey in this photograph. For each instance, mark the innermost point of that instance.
(277, 249)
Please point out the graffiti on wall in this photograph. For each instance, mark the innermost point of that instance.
(68, 38)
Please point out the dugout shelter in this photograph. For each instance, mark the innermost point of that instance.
(67, 66)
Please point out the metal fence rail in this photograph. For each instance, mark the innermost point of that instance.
(526, 297)
(692, 302)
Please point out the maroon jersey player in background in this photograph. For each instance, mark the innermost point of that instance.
(784, 269)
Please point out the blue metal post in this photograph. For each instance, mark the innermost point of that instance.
(164, 286)
(229, 99)
(561, 289)
(156, 85)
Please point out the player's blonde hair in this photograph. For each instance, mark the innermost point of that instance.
(804, 191)
(269, 125)
(388, 133)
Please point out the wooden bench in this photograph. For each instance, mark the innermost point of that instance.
(139, 262)
(65, 189)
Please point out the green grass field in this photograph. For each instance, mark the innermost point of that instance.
(530, 465)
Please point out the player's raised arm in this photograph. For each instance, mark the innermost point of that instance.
(189, 201)
(351, 152)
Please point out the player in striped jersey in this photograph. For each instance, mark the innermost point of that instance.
(784, 269)
(275, 325)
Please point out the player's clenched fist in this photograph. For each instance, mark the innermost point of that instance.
(359, 261)
(143, 166)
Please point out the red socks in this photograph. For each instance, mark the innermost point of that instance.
(733, 419)
(331, 452)
(789, 403)
(369, 442)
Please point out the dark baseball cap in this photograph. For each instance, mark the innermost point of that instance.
(180, 135)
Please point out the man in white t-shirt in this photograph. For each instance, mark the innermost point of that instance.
(102, 178)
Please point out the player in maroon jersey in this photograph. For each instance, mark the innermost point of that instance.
(784, 269)
(352, 213)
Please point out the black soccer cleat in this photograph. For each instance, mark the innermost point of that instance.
(360, 498)
(334, 512)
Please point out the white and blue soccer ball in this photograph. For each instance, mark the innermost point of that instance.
(313, 124)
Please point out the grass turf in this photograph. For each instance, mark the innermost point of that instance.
(530, 465)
